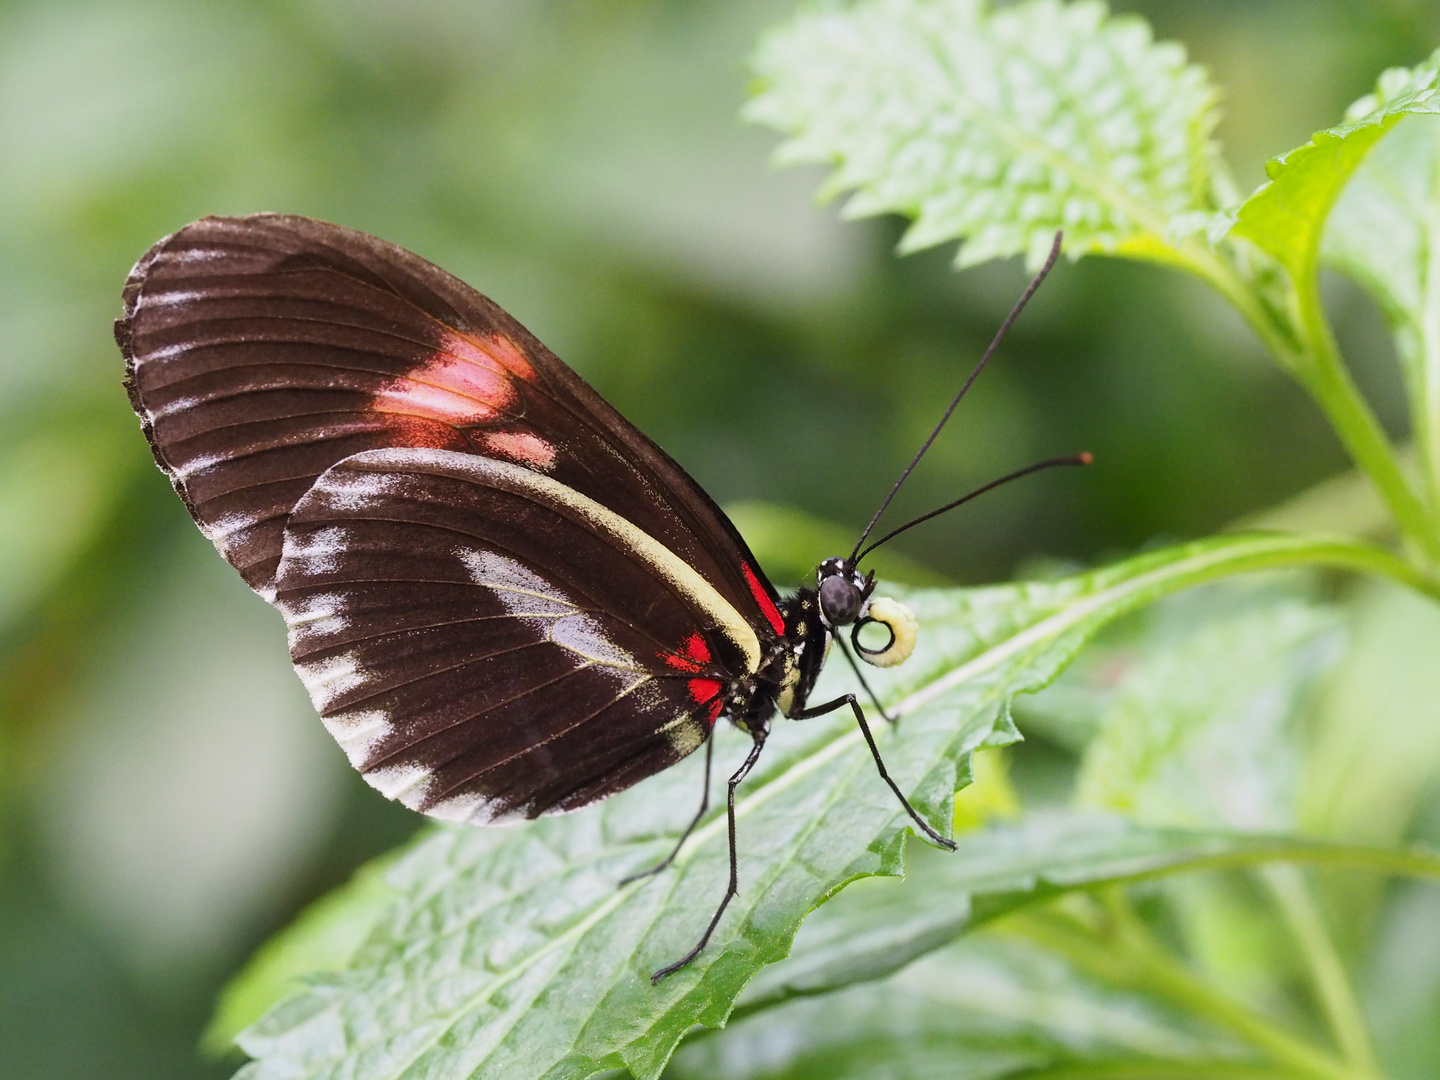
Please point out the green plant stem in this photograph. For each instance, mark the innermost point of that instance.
(1290, 549)
(1323, 373)
(1332, 982)
(1141, 942)
(1426, 407)
(1315, 361)
(1229, 283)
(1129, 958)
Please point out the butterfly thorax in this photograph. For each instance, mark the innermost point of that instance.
(841, 598)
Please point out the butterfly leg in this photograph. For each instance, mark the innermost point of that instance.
(704, 805)
(734, 887)
(891, 720)
(849, 699)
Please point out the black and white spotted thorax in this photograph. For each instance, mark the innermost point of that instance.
(841, 598)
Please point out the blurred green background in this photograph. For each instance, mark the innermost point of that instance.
(167, 798)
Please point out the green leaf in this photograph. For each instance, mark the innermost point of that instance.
(877, 927)
(513, 953)
(1287, 215)
(325, 937)
(989, 1007)
(998, 127)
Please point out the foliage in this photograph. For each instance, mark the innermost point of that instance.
(1000, 127)
(516, 954)
(1171, 906)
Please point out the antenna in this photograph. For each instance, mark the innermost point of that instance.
(1048, 463)
(994, 344)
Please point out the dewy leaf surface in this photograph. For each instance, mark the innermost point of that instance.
(1287, 215)
(998, 127)
(512, 953)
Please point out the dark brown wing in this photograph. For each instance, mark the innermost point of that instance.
(486, 642)
(262, 350)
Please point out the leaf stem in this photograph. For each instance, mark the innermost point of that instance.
(1223, 277)
(1332, 982)
(1206, 561)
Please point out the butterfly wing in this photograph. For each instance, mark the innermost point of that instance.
(488, 643)
(262, 350)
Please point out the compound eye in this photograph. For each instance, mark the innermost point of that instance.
(839, 601)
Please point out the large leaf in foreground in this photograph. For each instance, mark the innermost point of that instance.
(998, 127)
(512, 953)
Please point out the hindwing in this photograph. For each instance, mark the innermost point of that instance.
(486, 642)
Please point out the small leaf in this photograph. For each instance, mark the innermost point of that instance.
(513, 953)
(1287, 215)
(1384, 226)
(998, 127)
(1385, 233)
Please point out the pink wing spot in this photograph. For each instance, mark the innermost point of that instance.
(521, 447)
(767, 606)
(450, 388)
(494, 351)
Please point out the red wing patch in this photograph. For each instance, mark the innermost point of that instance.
(694, 657)
(708, 690)
(767, 606)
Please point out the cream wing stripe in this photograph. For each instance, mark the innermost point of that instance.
(677, 573)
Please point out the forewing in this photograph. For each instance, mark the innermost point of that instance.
(262, 350)
(486, 643)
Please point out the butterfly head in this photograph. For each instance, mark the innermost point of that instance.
(846, 600)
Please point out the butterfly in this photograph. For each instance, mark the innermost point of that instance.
(504, 600)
